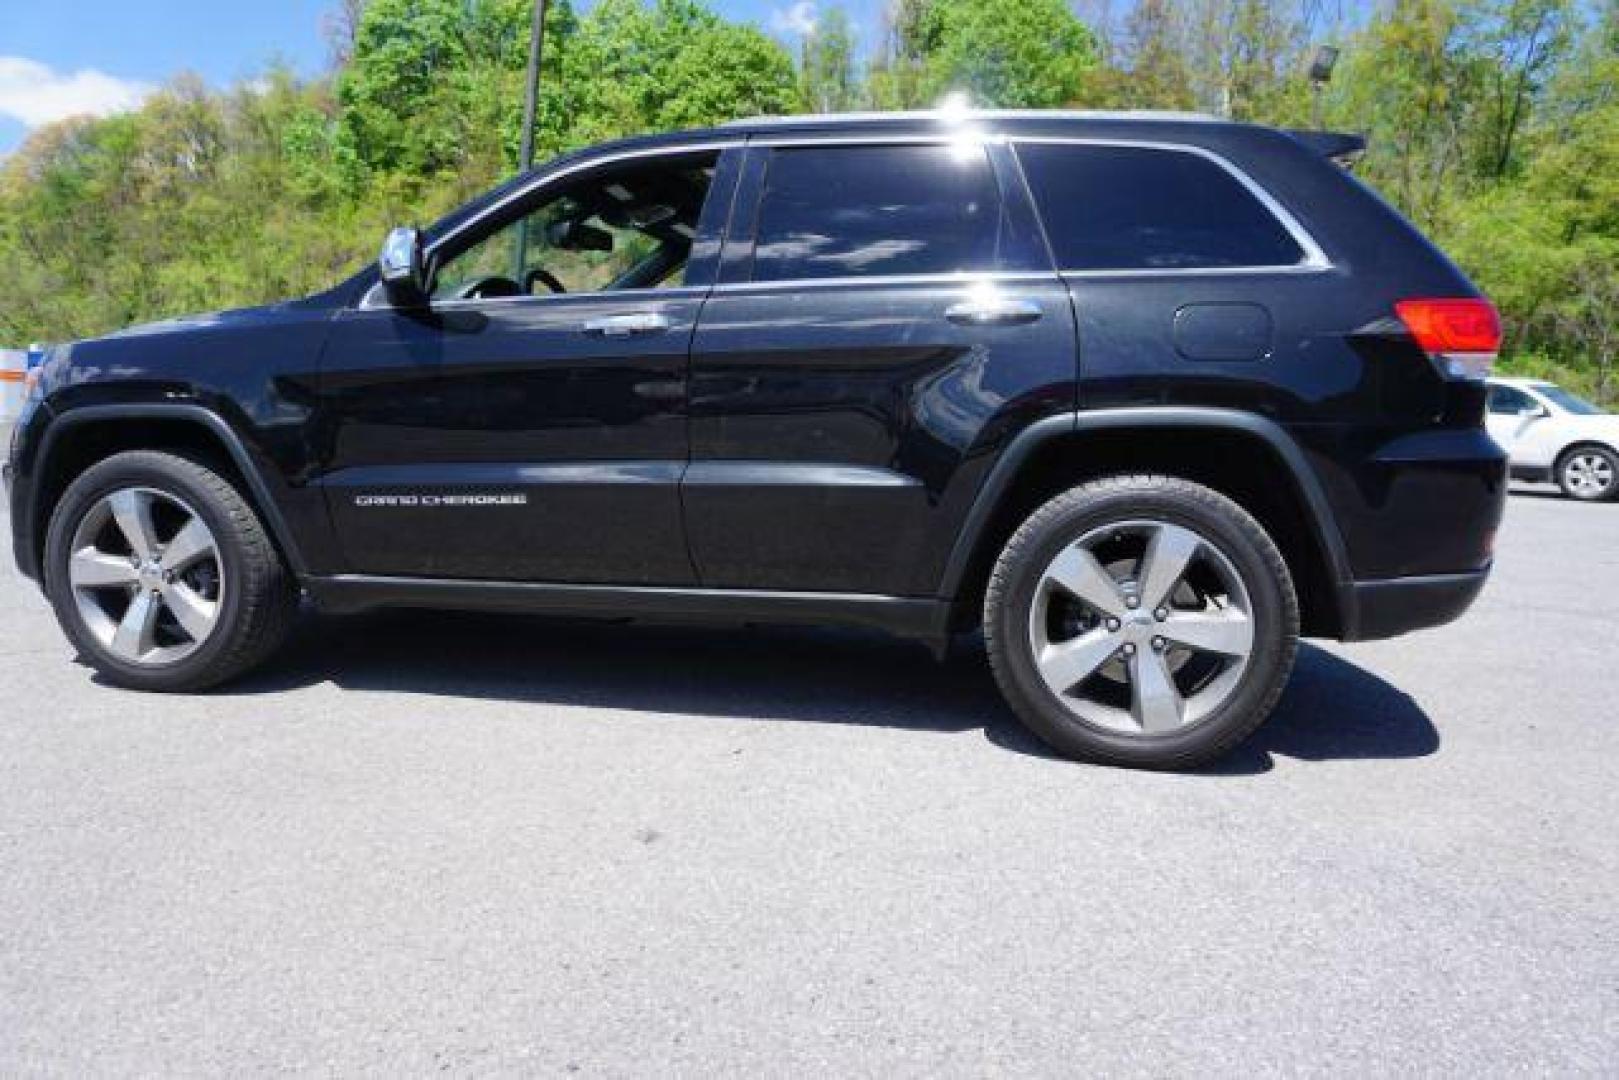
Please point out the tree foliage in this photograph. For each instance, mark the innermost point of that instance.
(1031, 54)
(829, 80)
(1494, 124)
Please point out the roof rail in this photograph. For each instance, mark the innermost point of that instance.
(957, 115)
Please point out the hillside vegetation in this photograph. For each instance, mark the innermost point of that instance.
(1494, 124)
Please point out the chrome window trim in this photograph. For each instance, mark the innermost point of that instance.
(1314, 261)
(547, 179)
(962, 278)
(965, 134)
(1197, 271)
(674, 292)
(952, 116)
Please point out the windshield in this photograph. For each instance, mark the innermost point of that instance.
(1571, 403)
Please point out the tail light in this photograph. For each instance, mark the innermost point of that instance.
(1461, 336)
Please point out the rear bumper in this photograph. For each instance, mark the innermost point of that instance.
(1385, 609)
(1418, 513)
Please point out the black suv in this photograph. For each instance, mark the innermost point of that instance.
(1145, 397)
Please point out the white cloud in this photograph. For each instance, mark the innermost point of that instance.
(797, 18)
(35, 94)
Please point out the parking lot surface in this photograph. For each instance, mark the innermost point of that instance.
(487, 843)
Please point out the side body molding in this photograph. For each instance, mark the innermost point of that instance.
(264, 500)
(1146, 418)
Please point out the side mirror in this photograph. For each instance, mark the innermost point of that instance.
(1534, 412)
(400, 268)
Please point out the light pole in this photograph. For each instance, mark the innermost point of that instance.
(1322, 62)
(536, 43)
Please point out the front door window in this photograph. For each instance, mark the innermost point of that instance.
(626, 228)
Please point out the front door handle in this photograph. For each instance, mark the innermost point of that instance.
(645, 322)
(994, 311)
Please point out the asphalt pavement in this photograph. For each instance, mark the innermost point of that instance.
(427, 842)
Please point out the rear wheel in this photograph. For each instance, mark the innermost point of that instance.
(1143, 621)
(162, 575)
(1589, 473)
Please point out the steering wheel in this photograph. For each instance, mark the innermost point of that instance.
(544, 277)
(485, 288)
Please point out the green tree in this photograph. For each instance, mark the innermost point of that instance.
(896, 79)
(435, 86)
(635, 67)
(1033, 54)
(1244, 58)
(828, 81)
(1156, 75)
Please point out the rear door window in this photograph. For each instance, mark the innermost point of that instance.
(865, 211)
(1141, 208)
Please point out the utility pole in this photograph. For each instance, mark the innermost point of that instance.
(536, 44)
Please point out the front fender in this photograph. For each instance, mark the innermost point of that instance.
(50, 431)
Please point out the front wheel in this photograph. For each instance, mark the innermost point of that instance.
(1142, 621)
(162, 575)
(1589, 473)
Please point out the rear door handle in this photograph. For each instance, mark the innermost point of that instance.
(994, 311)
(645, 322)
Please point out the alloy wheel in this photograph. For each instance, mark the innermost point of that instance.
(146, 576)
(1589, 475)
(1141, 627)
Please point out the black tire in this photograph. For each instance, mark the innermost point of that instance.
(1585, 493)
(259, 597)
(1219, 522)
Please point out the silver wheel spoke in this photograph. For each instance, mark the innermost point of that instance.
(1154, 701)
(1065, 664)
(1589, 474)
(132, 510)
(1169, 553)
(121, 597)
(191, 543)
(1228, 632)
(135, 636)
(1077, 571)
(194, 613)
(1117, 655)
(92, 569)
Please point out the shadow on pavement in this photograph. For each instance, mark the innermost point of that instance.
(1332, 709)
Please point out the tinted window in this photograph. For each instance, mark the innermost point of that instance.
(1505, 401)
(868, 210)
(1130, 208)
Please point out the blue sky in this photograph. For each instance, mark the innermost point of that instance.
(67, 56)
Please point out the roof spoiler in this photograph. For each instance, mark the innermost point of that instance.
(1340, 147)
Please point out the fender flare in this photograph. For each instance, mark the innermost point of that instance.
(1574, 444)
(215, 424)
(1318, 512)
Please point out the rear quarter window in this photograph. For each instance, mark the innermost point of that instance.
(1142, 208)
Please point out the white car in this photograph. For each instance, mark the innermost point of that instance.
(1550, 434)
